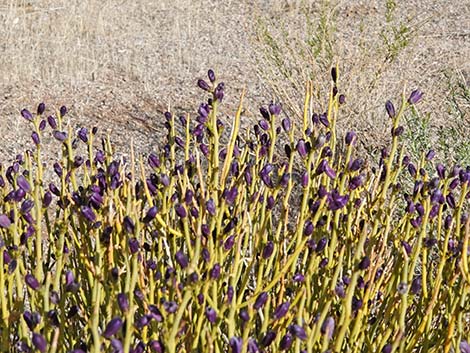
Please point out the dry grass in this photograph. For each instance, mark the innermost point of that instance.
(120, 64)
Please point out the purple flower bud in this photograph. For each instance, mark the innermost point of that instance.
(464, 347)
(203, 85)
(32, 282)
(415, 97)
(416, 285)
(236, 344)
(339, 290)
(211, 315)
(23, 183)
(298, 277)
(39, 342)
(260, 301)
(231, 195)
(286, 342)
(113, 327)
(302, 148)
(268, 250)
(274, 109)
(35, 138)
(420, 209)
(356, 303)
(350, 138)
(304, 179)
(181, 211)
(25, 113)
(229, 242)
(364, 263)
(324, 119)
(308, 228)
(286, 124)
(211, 75)
(151, 214)
(215, 271)
(281, 310)
(63, 110)
(268, 338)
(133, 245)
(244, 316)
(387, 348)
(88, 214)
(219, 92)
(60, 135)
(263, 124)
(390, 109)
(342, 99)
(252, 346)
(450, 199)
(128, 225)
(334, 75)
(298, 331)
(123, 302)
(182, 259)
(210, 207)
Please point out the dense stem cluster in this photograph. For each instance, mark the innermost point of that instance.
(279, 240)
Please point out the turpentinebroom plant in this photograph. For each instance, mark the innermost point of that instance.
(279, 239)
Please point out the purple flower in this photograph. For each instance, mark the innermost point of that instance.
(211, 75)
(252, 346)
(236, 344)
(260, 301)
(464, 347)
(88, 213)
(298, 331)
(181, 211)
(156, 346)
(182, 259)
(210, 207)
(268, 250)
(390, 109)
(39, 342)
(60, 135)
(328, 327)
(203, 85)
(324, 119)
(4, 221)
(219, 92)
(25, 113)
(302, 148)
(215, 271)
(23, 183)
(123, 302)
(350, 138)
(416, 285)
(229, 242)
(231, 195)
(31, 281)
(286, 342)
(274, 109)
(387, 348)
(286, 124)
(63, 110)
(342, 99)
(128, 225)
(244, 316)
(364, 263)
(211, 315)
(133, 245)
(35, 138)
(268, 338)
(113, 327)
(415, 97)
(150, 215)
(281, 310)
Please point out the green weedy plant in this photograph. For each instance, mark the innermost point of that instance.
(214, 246)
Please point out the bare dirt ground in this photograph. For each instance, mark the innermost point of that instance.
(119, 65)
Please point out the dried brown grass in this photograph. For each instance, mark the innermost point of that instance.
(120, 64)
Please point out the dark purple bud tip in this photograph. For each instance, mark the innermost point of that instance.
(274, 109)
(236, 344)
(211, 75)
(387, 348)
(390, 109)
(260, 301)
(415, 96)
(351, 137)
(113, 327)
(123, 302)
(4, 221)
(203, 85)
(182, 259)
(31, 281)
(60, 135)
(219, 91)
(281, 310)
(364, 263)
(298, 331)
(41, 108)
(25, 113)
(334, 74)
(342, 99)
(268, 338)
(63, 110)
(211, 315)
(286, 342)
(39, 342)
